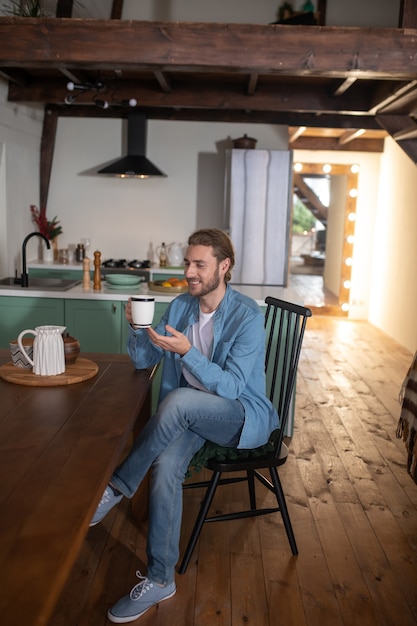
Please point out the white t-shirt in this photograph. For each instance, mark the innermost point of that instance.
(201, 338)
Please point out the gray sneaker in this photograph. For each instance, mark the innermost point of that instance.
(143, 596)
(107, 502)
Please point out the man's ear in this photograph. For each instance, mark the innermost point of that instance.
(225, 265)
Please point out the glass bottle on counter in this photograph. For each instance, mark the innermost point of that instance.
(79, 252)
(163, 256)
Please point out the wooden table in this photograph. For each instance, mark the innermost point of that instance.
(58, 448)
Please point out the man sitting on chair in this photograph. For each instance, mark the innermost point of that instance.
(212, 340)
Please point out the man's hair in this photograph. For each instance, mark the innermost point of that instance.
(219, 241)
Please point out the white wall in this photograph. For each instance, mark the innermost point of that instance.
(393, 294)
(20, 135)
(122, 216)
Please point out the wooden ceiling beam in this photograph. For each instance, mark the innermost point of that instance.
(350, 136)
(389, 94)
(252, 84)
(116, 10)
(163, 80)
(394, 124)
(64, 8)
(74, 77)
(407, 133)
(221, 115)
(199, 94)
(408, 14)
(187, 46)
(15, 76)
(332, 144)
(405, 102)
(344, 86)
(297, 133)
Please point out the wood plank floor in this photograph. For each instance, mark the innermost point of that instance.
(351, 501)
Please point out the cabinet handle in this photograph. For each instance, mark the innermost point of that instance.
(114, 307)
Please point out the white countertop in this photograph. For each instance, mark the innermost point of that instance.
(39, 264)
(257, 292)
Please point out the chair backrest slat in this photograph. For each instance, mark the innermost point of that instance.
(285, 324)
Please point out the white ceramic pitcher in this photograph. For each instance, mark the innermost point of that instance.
(48, 349)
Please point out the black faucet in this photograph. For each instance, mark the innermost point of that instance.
(24, 280)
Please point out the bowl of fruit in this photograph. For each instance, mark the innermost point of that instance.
(169, 285)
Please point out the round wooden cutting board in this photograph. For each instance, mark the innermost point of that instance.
(82, 369)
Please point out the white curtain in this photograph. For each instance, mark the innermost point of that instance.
(260, 209)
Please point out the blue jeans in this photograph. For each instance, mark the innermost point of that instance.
(183, 422)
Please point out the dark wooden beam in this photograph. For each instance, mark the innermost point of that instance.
(187, 46)
(163, 81)
(64, 8)
(252, 84)
(407, 133)
(50, 122)
(404, 104)
(408, 14)
(390, 94)
(296, 134)
(332, 143)
(215, 115)
(14, 75)
(344, 86)
(321, 9)
(350, 135)
(117, 10)
(208, 95)
(394, 124)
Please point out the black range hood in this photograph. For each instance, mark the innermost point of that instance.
(135, 164)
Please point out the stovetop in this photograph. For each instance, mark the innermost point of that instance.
(124, 264)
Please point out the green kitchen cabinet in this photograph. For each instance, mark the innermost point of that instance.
(97, 324)
(18, 313)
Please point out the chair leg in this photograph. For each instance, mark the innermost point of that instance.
(283, 508)
(251, 487)
(205, 505)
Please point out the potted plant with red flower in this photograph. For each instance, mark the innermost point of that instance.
(50, 228)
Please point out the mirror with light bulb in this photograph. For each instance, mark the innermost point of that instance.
(324, 213)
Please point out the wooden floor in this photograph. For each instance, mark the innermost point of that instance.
(310, 288)
(352, 504)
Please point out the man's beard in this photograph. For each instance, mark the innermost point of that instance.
(210, 286)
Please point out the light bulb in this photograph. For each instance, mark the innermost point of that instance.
(70, 86)
(103, 104)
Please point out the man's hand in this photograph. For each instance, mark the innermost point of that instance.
(176, 342)
(128, 311)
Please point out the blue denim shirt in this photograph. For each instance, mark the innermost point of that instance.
(236, 369)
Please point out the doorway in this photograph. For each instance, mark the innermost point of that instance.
(321, 249)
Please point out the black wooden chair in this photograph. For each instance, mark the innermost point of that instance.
(285, 324)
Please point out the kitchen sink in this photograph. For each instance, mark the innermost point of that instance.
(43, 284)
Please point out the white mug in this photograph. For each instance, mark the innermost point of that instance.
(48, 350)
(143, 309)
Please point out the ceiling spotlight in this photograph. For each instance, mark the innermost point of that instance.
(103, 104)
(70, 99)
(129, 103)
